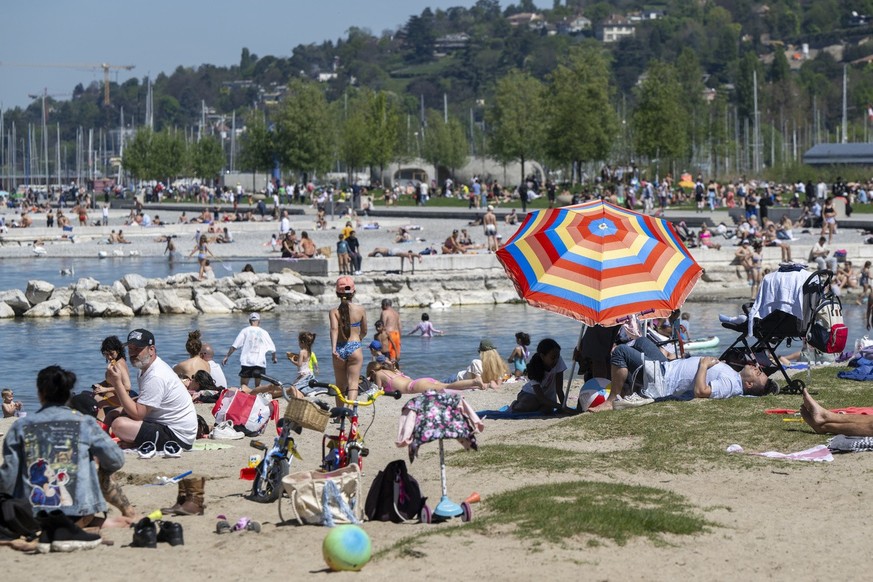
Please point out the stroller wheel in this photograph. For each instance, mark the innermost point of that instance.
(425, 516)
(468, 512)
(795, 387)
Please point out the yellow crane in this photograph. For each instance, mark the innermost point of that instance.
(105, 67)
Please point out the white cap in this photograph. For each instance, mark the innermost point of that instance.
(254, 317)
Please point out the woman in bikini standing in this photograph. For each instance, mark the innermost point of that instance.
(348, 324)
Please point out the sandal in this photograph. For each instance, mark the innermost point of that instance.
(222, 527)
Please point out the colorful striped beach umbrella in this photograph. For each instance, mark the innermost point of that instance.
(599, 263)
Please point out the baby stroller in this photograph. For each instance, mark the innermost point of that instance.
(789, 303)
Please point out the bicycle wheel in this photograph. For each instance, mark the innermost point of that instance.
(267, 489)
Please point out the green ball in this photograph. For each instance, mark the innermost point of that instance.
(346, 547)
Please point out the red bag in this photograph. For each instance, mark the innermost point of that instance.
(249, 413)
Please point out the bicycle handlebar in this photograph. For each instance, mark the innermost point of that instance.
(396, 394)
(278, 383)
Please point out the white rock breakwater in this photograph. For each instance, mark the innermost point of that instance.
(134, 295)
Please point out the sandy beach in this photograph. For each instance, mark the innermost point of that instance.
(774, 521)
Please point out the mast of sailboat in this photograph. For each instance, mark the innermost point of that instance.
(58, 148)
(845, 112)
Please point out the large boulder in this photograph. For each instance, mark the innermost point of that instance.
(86, 284)
(214, 303)
(62, 294)
(47, 308)
(269, 289)
(181, 279)
(6, 312)
(245, 278)
(118, 289)
(15, 299)
(134, 281)
(151, 307)
(38, 291)
(113, 309)
(136, 298)
(293, 299)
(82, 297)
(255, 304)
(170, 302)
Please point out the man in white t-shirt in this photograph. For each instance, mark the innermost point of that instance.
(164, 411)
(703, 377)
(255, 343)
(285, 223)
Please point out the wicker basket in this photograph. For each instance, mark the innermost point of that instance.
(307, 414)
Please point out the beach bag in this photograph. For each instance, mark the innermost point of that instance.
(394, 495)
(654, 385)
(16, 518)
(318, 498)
(249, 413)
(828, 333)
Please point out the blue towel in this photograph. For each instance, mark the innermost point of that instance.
(861, 373)
(505, 413)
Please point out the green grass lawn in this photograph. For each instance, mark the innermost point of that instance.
(667, 438)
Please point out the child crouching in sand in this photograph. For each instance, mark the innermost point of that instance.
(546, 393)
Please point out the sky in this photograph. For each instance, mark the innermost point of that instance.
(160, 35)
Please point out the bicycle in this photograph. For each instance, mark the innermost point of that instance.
(347, 448)
(267, 485)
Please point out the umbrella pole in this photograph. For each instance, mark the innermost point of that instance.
(573, 367)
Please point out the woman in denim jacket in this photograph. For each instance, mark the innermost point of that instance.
(47, 455)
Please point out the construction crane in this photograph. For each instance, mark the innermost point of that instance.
(105, 67)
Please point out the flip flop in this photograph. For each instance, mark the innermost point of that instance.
(222, 527)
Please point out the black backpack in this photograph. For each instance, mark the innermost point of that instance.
(394, 495)
(16, 519)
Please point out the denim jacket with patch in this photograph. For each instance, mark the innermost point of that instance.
(47, 459)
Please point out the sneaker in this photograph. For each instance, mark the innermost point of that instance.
(632, 401)
(171, 533)
(61, 534)
(225, 431)
(145, 534)
(147, 450)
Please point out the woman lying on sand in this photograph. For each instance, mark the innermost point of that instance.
(389, 378)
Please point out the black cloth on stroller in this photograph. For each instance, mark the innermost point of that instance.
(783, 311)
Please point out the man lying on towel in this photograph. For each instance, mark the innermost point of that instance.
(704, 377)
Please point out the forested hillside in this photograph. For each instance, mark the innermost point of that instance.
(690, 64)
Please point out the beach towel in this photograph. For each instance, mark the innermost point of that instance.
(850, 444)
(506, 413)
(865, 410)
(817, 454)
(434, 416)
(863, 373)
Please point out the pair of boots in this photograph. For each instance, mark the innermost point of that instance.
(190, 500)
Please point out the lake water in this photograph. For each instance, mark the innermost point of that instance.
(28, 345)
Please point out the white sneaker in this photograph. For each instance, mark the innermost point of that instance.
(632, 401)
(225, 431)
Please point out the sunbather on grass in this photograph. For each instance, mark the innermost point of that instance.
(826, 422)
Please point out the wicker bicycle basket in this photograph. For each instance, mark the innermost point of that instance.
(307, 414)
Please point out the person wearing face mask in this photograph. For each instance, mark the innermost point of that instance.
(164, 411)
